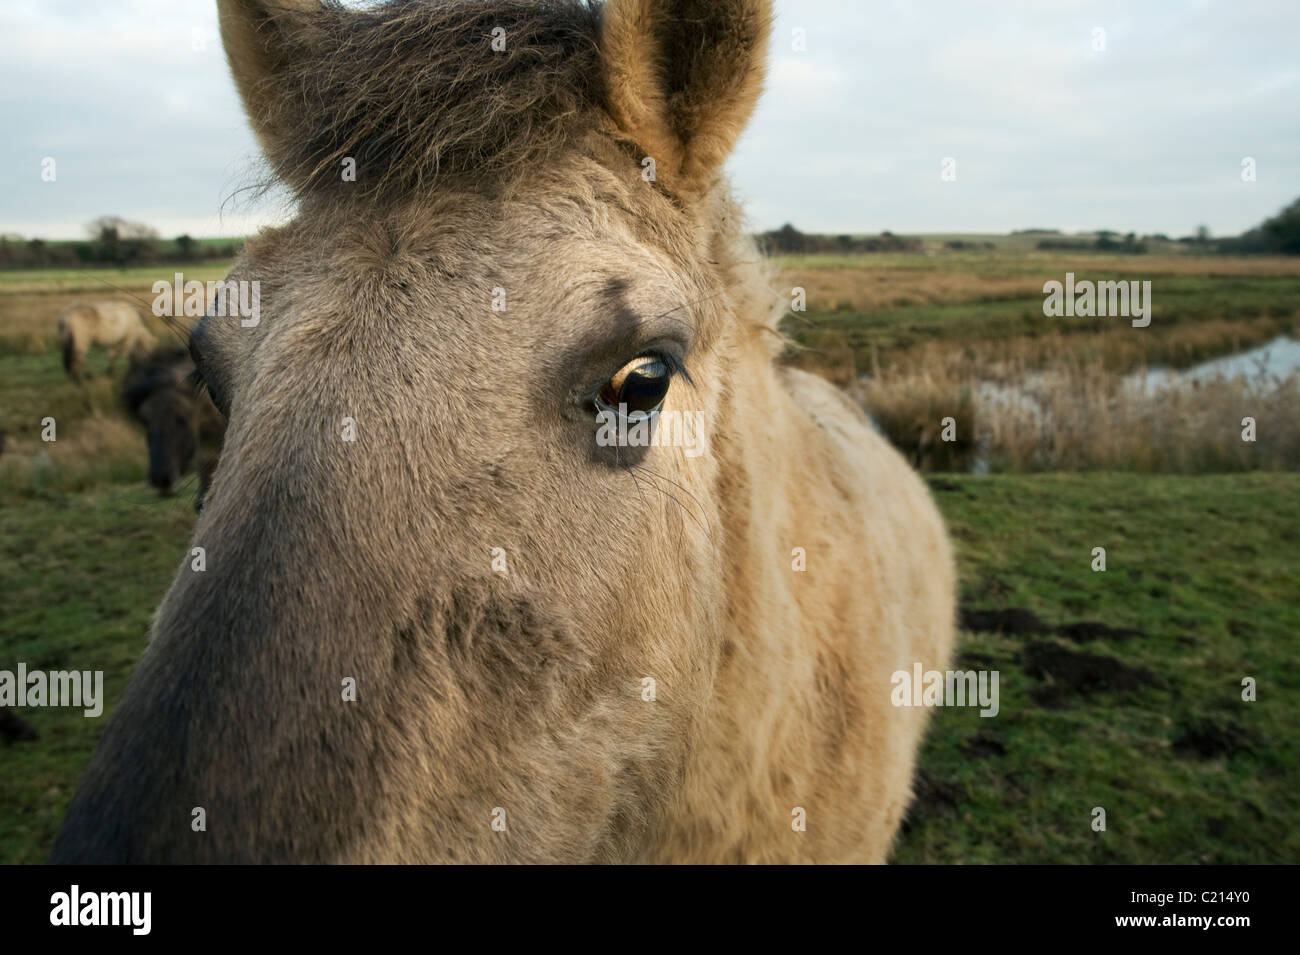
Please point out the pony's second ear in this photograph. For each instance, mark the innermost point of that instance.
(262, 38)
(682, 77)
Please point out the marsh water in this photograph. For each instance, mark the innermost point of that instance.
(1264, 367)
(1261, 369)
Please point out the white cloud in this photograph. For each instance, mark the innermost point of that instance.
(1147, 135)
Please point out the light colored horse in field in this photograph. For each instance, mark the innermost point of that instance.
(439, 619)
(114, 326)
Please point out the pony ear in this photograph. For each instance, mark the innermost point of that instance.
(682, 77)
(262, 38)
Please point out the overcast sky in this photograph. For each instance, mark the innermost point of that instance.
(133, 101)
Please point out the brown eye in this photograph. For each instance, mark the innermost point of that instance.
(639, 386)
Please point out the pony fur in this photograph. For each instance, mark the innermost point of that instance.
(439, 622)
(683, 77)
(412, 91)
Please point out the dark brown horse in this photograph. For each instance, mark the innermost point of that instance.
(183, 427)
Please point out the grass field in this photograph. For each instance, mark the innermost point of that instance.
(1203, 568)
(874, 309)
(101, 281)
(919, 337)
(1150, 725)
(1119, 689)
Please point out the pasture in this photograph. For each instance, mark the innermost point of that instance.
(920, 336)
(1119, 689)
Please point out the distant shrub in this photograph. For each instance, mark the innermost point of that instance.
(1279, 235)
(113, 242)
(1063, 245)
(1108, 241)
(788, 240)
(1080, 417)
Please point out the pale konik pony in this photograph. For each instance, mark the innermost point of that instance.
(113, 326)
(437, 620)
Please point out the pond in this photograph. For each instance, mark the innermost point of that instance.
(1266, 366)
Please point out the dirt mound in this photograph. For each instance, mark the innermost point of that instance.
(14, 728)
(1211, 738)
(1068, 673)
(1014, 621)
(1019, 622)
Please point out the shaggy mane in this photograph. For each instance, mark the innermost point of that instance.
(414, 92)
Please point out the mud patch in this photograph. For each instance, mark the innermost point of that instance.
(1210, 739)
(1015, 621)
(13, 728)
(944, 485)
(1019, 622)
(983, 744)
(1091, 630)
(1067, 673)
(973, 659)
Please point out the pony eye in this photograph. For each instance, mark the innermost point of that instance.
(639, 386)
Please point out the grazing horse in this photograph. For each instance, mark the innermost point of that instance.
(182, 425)
(114, 326)
(456, 607)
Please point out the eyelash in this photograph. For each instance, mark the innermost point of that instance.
(676, 367)
(670, 361)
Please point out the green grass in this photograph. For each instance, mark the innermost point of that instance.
(1177, 301)
(1205, 569)
(36, 387)
(93, 447)
(1012, 256)
(100, 279)
(82, 575)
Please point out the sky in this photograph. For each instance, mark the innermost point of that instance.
(1069, 114)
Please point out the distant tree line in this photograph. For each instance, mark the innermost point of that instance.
(112, 241)
(1279, 235)
(1105, 241)
(788, 240)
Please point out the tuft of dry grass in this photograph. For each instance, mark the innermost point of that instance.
(99, 449)
(1119, 350)
(921, 338)
(1081, 416)
(866, 289)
